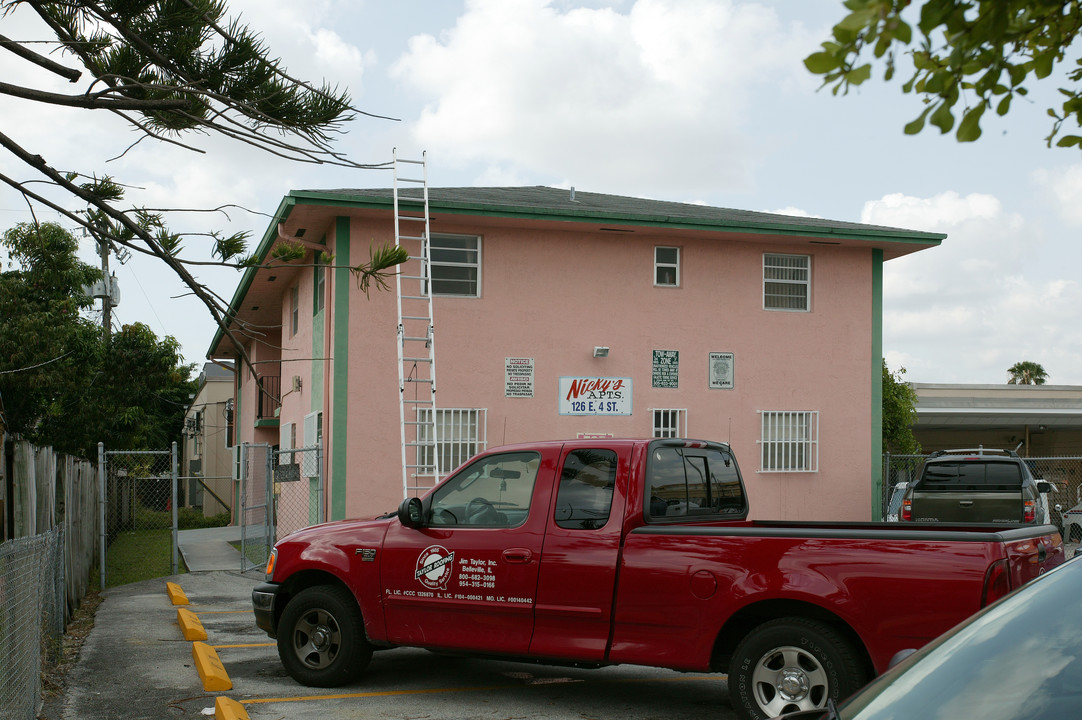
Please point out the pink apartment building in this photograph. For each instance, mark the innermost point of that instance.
(561, 314)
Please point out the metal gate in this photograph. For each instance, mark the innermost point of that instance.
(281, 492)
(139, 499)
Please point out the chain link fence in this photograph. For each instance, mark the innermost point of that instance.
(298, 489)
(140, 509)
(1064, 473)
(281, 492)
(32, 617)
(256, 511)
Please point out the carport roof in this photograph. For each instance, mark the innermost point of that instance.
(960, 405)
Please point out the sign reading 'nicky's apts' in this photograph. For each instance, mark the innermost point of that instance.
(588, 395)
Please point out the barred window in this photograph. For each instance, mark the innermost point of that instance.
(789, 441)
(786, 282)
(670, 423)
(456, 265)
(460, 434)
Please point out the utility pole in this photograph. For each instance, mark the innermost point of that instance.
(107, 296)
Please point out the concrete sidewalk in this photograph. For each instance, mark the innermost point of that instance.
(209, 549)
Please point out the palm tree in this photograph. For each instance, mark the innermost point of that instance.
(1026, 373)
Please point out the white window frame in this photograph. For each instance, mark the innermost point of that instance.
(780, 269)
(460, 434)
(789, 441)
(435, 265)
(675, 267)
(670, 422)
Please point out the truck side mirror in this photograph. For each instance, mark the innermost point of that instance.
(1043, 486)
(411, 513)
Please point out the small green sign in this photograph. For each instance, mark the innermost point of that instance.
(666, 372)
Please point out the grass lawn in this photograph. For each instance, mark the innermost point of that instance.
(140, 555)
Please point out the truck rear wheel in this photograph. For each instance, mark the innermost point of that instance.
(321, 639)
(791, 664)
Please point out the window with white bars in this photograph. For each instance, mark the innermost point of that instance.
(460, 434)
(670, 423)
(790, 441)
(786, 282)
(455, 265)
(667, 266)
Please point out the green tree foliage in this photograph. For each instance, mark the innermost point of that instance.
(61, 385)
(968, 56)
(899, 414)
(172, 69)
(1026, 372)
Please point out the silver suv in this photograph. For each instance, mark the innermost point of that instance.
(976, 485)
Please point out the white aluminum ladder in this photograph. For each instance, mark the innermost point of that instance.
(416, 330)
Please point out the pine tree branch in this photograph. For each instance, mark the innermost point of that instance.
(91, 102)
(70, 74)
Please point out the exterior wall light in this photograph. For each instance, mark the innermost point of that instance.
(601, 351)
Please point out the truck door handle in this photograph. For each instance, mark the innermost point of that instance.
(965, 503)
(517, 555)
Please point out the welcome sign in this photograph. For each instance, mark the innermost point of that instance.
(590, 395)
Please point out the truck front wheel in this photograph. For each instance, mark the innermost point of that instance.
(791, 664)
(321, 639)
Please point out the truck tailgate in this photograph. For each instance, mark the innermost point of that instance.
(1033, 556)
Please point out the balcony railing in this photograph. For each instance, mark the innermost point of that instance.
(268, 397)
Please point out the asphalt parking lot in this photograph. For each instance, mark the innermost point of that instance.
(137, 663)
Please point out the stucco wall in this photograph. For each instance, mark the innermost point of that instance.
(553, 295)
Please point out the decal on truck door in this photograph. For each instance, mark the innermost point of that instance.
(434, 567)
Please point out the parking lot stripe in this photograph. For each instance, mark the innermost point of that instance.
(190, 625)
(244, 645)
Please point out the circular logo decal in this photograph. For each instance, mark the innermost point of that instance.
(434, 567)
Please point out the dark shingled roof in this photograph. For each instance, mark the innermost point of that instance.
(557, 204)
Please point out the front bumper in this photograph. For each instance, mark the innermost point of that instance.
(263, 596)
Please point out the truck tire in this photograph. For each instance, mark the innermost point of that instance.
(321, 639)
(791, 664)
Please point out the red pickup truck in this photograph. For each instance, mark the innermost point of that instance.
(598, 552)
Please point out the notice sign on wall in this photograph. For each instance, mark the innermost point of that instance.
(722, 372)
(595, 396)
(518, 377)
(666, 369)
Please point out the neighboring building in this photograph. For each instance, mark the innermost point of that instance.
(758, 329)
(1037, 420)
(206, 458)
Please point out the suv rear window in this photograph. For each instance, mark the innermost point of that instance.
(974, 474)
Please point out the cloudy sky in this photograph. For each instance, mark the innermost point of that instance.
(703, 101)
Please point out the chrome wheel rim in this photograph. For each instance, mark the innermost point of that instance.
(788, 679)
(317, 639)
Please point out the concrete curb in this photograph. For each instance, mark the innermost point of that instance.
(229, 709)
(176, 595)
(190, 625)
(211, 670)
